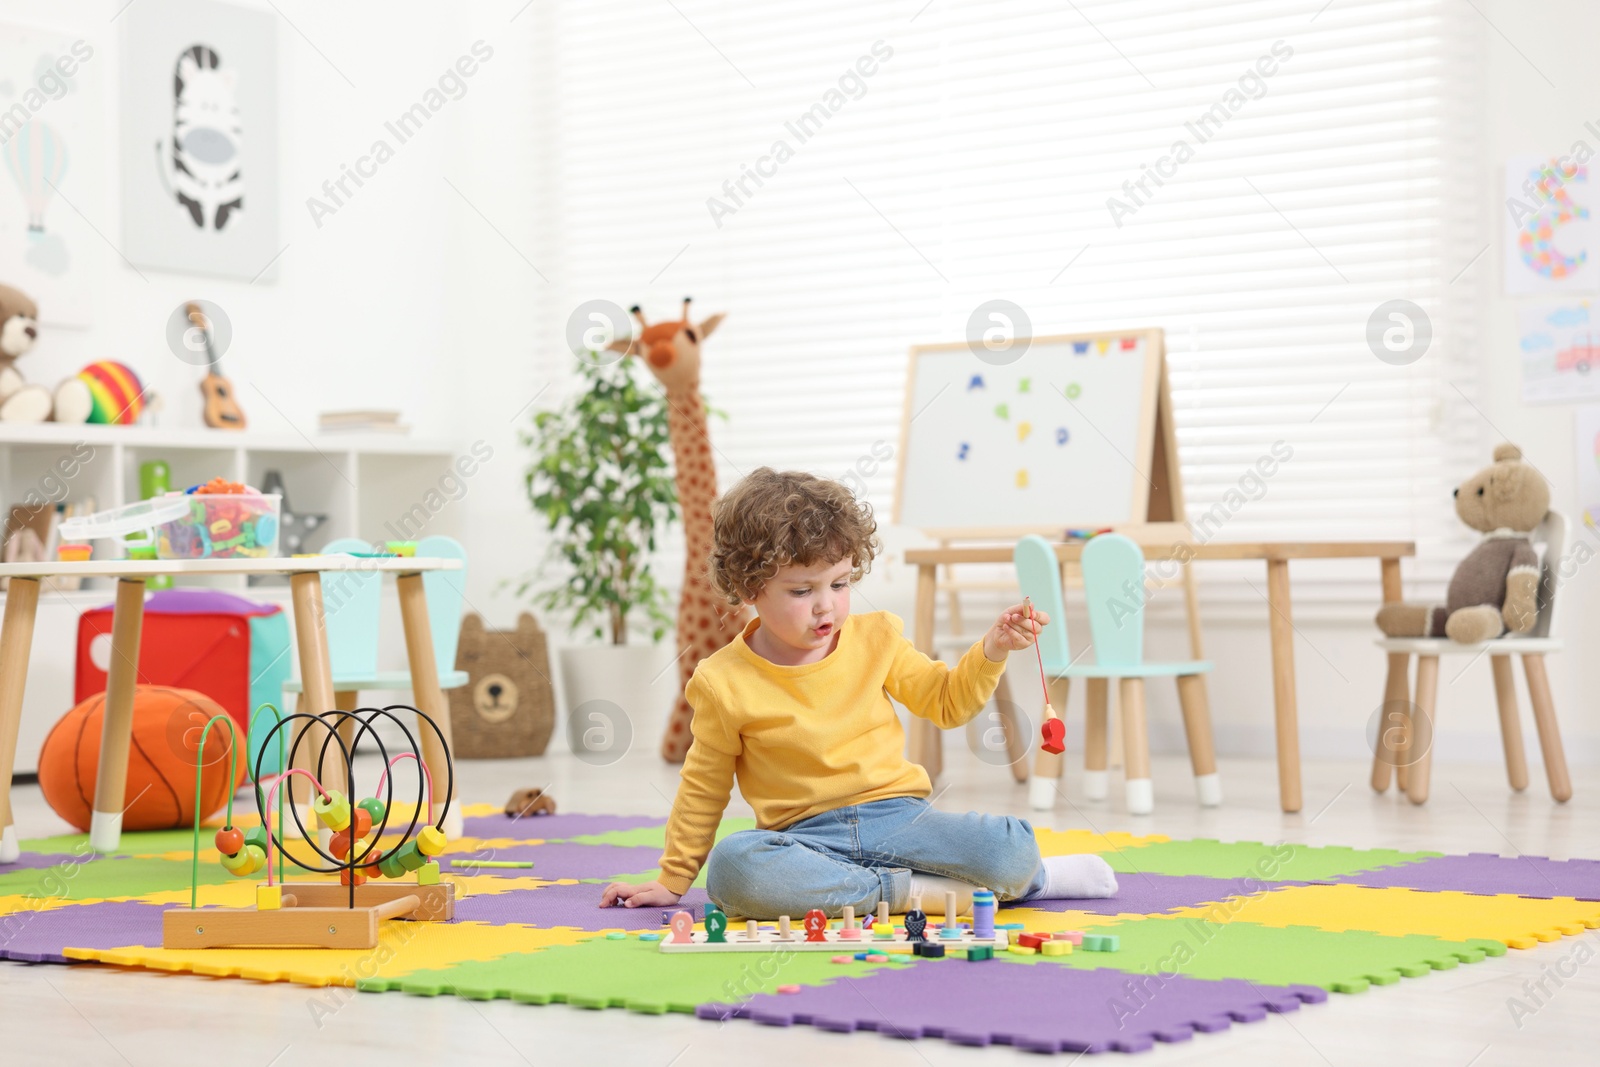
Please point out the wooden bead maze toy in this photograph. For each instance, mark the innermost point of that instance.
(323, 914)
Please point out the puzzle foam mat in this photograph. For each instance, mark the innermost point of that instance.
(1210, 934)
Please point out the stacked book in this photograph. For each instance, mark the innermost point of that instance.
(362, 422)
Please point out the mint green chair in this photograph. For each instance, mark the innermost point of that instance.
(1114, 592)
(351, 602)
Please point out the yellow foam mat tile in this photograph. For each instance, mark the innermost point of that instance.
(1517, 922)
(1071, 842)
(403, 948)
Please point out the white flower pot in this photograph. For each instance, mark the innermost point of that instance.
(617, 696)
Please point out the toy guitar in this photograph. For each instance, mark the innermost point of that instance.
(221, 410)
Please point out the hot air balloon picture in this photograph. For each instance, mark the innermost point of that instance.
(37, 159)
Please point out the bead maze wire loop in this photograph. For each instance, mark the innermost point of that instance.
(233, 776)
(363, 719)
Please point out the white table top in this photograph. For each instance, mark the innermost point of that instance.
(146, 568)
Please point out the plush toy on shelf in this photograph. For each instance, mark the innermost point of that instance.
(1494, 589)
(19, 401)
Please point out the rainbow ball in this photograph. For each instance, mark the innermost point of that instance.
(116, 391)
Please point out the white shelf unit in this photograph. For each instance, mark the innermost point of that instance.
(367, 485)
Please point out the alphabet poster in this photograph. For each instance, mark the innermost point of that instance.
(1560, 352)
(1551, 240)
(199, 105)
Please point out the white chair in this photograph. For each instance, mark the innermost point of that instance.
(1400, 734)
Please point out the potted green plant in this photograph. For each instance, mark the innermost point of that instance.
(600, 478)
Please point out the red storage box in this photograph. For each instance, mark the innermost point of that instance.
(233, 650)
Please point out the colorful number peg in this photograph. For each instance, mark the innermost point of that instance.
(682, 928)
(816, 924)
(431, 841)
(916, 923)
(332, 809)
(716, 926)
(229, 841)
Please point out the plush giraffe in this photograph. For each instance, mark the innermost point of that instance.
(671, 350)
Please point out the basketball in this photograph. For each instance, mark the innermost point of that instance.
(161, 760)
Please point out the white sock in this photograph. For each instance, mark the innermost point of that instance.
(931, 888)
(1081, 876)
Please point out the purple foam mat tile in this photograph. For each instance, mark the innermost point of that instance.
(569, 905)
(555, 861)
(1150, 894)
(554, 827)
(38, 936)
(1488, 874)
(39, 861)
(1038, 1009)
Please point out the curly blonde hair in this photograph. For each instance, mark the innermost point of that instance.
(772, 519)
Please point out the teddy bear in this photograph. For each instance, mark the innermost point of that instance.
(19, 401)
(1495, 588)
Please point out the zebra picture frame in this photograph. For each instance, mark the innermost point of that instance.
(199, 138)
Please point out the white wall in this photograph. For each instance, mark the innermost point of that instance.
(421, 297)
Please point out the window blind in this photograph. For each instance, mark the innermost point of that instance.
(1255, 177)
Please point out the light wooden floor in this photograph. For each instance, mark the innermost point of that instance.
(93, 1014)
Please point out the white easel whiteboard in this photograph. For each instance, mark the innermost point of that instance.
(1064, 434)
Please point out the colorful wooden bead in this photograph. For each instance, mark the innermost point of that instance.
(361, 821)
(431, 841)
(410, 856)
(1074, 936)
(1056, 948)
(1022, 950)
(374, 809)
(229, 840)
(648, 936)
(616, 935)
(1100, 942)
(1030, 940)
(391, 867)
(980, 952)
(257, 836)
(332, 809)
(877, 957)
(238, 864)
(931, 950)
(269, 897)
(339, 844)
(428, 873)
(358, 876)
(816, 925)
(788, 989)
(843, 959)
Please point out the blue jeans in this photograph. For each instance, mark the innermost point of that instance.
(864, 853)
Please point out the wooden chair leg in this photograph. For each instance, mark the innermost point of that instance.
(1048, 766)
(1202, 750)
(1096, 780)
(1136, 747)
(1418, 747)
(1396, 701)
(1505, 695)
(1544, 719)
(1011, 731)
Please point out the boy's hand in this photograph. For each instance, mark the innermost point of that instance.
(637, 896)
(1012, 631)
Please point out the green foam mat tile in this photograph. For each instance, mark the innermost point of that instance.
(654, 836)
(1252, 859)
(630, 974)
(1340, 962)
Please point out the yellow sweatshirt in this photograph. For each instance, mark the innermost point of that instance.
(804, 740)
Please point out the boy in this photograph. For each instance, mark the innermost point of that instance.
(797, 707)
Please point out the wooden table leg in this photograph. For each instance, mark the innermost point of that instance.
(16, 641)
(116, 728)
(1283, 694)
(429, 697)
(316, 679)
(1397, 696)
(924, 743)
